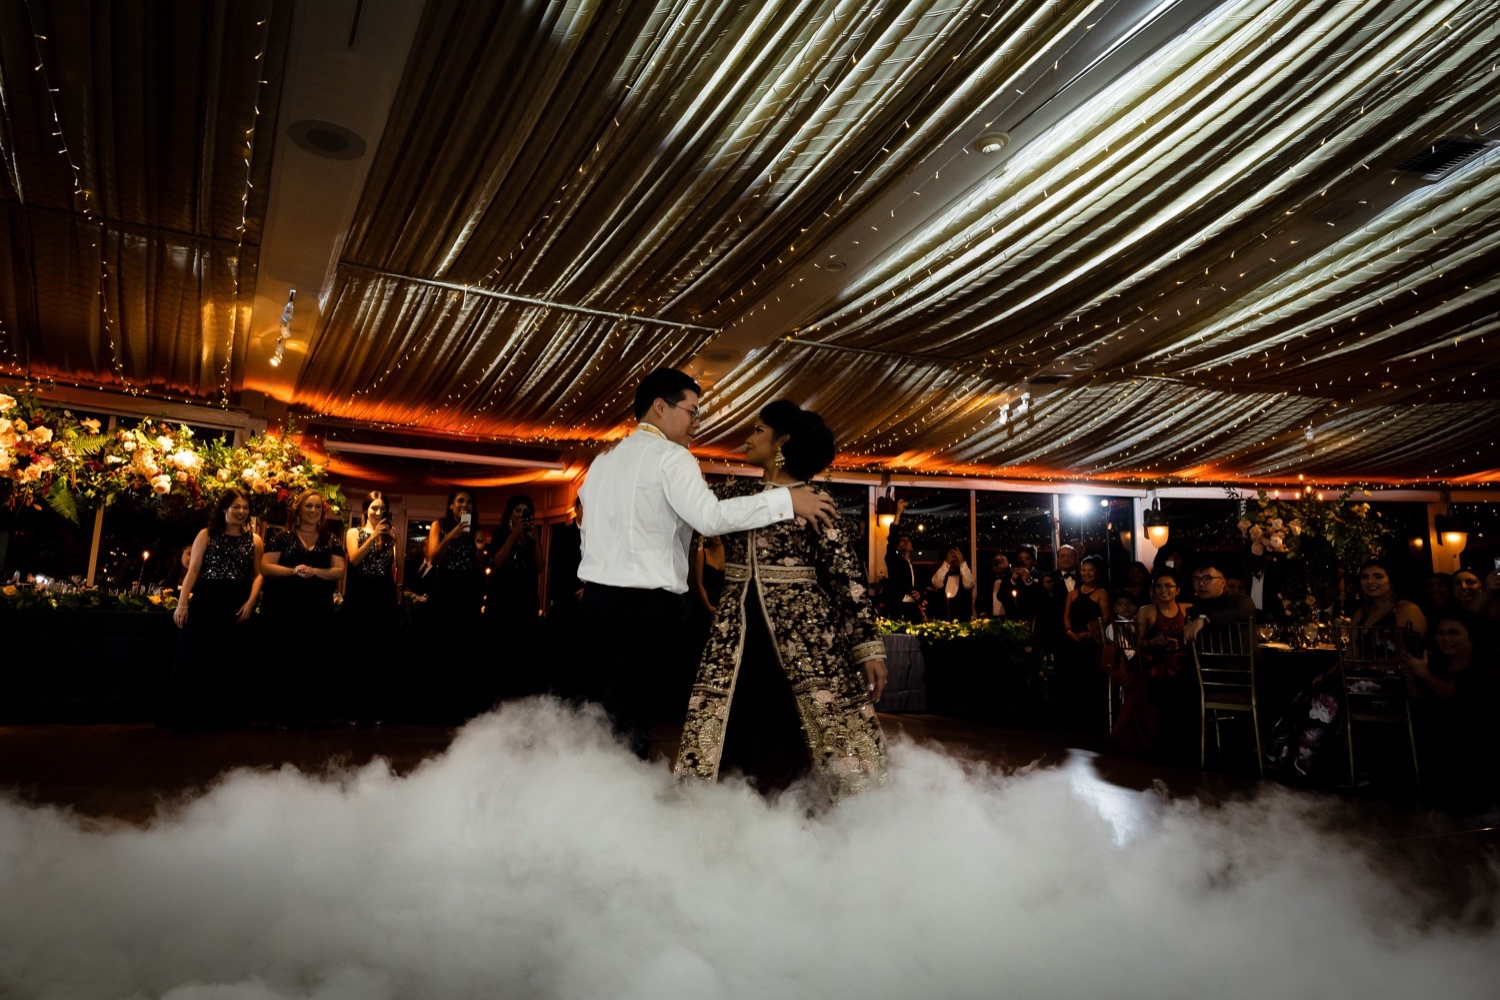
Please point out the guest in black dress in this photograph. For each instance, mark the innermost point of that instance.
(456, 592)
(1081, 686)
(513, 606)
(218, 596)
(303, 566)
(455, 598)
(1455, 688)
(370, 607)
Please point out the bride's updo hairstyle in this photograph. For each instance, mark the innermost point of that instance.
(810, 449)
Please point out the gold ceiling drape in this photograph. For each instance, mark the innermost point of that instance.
(1198, 244)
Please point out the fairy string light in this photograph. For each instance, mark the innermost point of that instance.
(226, 370)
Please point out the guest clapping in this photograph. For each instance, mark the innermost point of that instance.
(303, 566)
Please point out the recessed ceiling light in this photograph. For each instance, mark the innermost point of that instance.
(326, 139)
(992, 142)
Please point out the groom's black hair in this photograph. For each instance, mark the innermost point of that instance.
(664, 383)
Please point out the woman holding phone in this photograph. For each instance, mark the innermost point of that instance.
(514, 601)
(370, 603)
(458, 590)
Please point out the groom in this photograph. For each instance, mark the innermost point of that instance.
(642, 501)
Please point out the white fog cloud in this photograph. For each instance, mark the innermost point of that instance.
(536, 859)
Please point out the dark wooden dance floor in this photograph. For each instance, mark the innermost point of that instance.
(123, 771)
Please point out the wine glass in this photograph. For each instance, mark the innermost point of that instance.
(1267, 631)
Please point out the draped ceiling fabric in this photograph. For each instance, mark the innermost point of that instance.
(133, 190)
(1196, 257)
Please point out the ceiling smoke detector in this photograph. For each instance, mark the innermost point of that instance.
(834, 266)
(992, 142)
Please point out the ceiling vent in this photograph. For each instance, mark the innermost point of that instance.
(1443, 157)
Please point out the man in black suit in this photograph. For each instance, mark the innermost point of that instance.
(902, 593)
(1058, 584)
(998, 596)
(1212, 604)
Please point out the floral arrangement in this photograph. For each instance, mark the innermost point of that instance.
(48, 454)
(15, 597)
(43, 452)
(1318, 544)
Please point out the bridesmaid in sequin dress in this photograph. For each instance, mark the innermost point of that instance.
(371, 601)
(218, 596)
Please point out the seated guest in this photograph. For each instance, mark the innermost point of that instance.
(1437, 595)
(1301, 737)
(1455, 693)
(1477, 594)
(1137, 583)
(1212, 603)
(953, 588)
(1379, 604)
(1161, 686)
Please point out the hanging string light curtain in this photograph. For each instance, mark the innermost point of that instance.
(134, 198)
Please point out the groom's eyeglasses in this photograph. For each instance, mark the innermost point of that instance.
(695, 412)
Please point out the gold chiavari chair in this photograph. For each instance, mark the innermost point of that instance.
(1224, 658)
(1373, 685)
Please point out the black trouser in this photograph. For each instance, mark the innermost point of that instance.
(633, 634)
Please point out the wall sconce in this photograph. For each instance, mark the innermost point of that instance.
(1452, 532)
(1156, 526)
(886, 509)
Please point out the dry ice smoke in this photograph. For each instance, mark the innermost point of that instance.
(536, 859)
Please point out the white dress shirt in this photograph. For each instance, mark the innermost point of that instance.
(642, 501)
(950, 585)
(997, 604)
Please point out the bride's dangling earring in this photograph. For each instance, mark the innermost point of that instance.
(780, 459)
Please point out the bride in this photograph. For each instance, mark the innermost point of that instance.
(794, 664)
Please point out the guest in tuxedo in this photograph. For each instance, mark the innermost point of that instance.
(1264, 580)
(953, 588)
(1057, 585)
(1026, 584)
(903, 595)
(999, 600)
